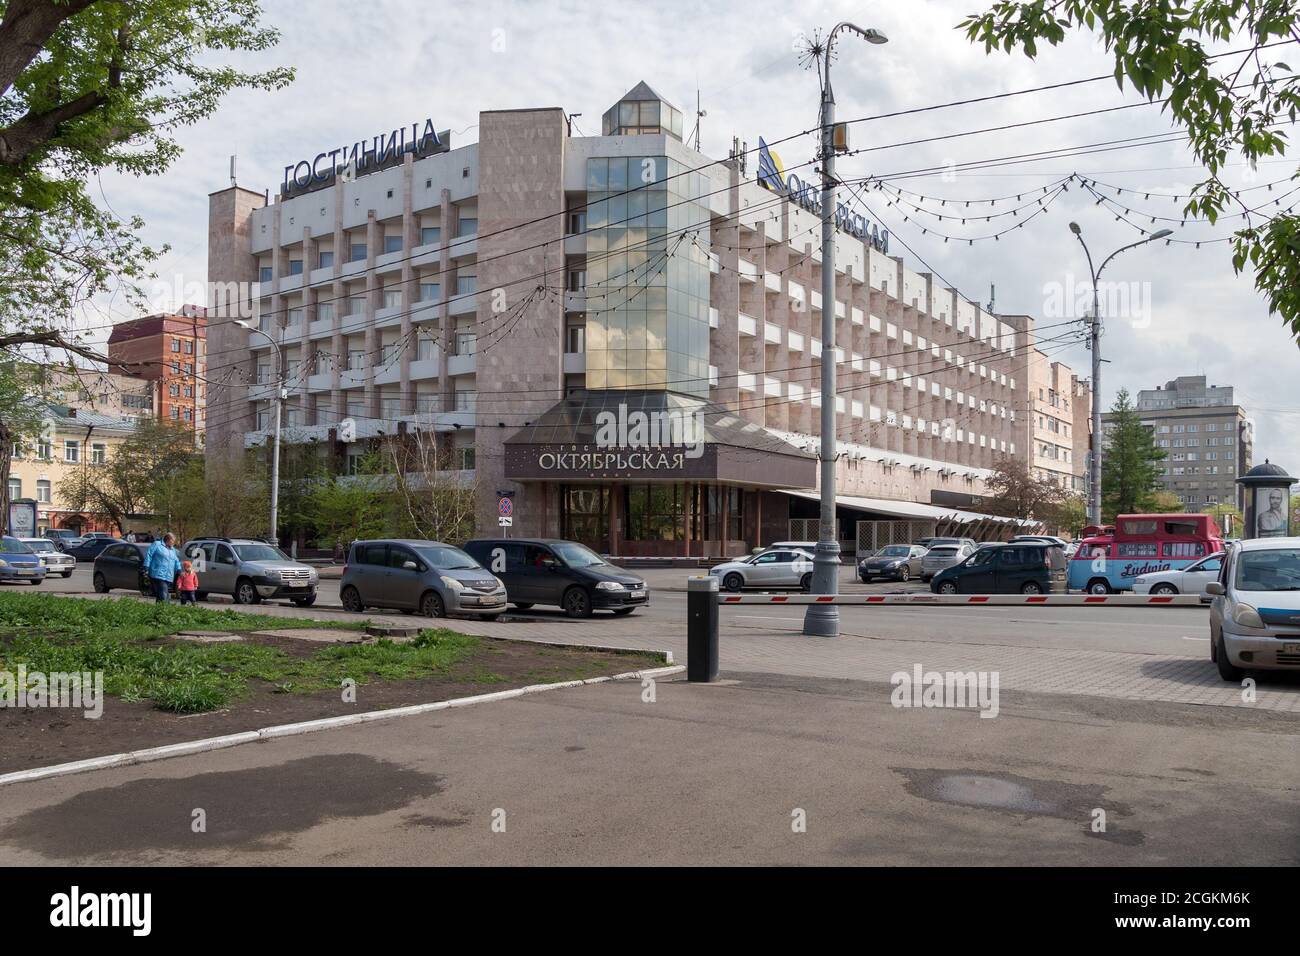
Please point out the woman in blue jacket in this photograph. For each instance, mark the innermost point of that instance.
(162, 564)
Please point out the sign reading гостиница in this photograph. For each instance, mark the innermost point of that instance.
(364, 156)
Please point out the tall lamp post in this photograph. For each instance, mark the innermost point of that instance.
(280, 396)
(1094, 335)
(823, 620)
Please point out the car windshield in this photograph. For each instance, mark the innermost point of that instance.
(1272, 570)
(577, 555)
(944, 551)
(14, 546)
(895, 551)
(446, 558)
(943, 541)
(40, 545)
(259, 552)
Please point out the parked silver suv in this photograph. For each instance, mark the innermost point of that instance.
(250, 571)
(428, 577)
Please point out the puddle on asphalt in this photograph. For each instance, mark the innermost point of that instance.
(1023, 796)
(251, 809)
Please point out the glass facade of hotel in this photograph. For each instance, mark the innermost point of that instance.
(647, 275)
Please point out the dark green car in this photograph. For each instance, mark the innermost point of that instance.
(1020, 568)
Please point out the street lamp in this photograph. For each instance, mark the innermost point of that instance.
(823, 620)
(280, 396)
(1094, 469)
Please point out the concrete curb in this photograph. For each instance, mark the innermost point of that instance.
(306, 727)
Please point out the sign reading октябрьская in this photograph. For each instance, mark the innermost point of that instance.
(595, 461)
(363, 156)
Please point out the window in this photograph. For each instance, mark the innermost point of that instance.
(71, 451)
(189, 391)
(575, 339)
(466, 285)
(429, 235)
(466, 458)
(392, 299)
(357, 252)
(16, 450)
(15, 488)
(44, 450)
(392, 244)
(295, 267)
(466, 342)
(467, 226)
(189, 347)
(43, 491)
(325, 259)
(189, 368)
(356, 359)
(429, 291)
(176, 345)
(98, 453)
(189, 414)
(264, 274)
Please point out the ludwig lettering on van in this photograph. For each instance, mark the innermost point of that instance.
(1133, 570)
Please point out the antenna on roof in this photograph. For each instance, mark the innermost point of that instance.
(699, 115)
(993, 298)
(233, 157)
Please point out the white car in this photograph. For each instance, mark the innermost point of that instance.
(1255, 616)
(53, 560)
(775, 567)
(1189, 580)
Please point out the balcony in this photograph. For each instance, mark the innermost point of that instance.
(771, 333)
(796, 341)
(856, 316)
(713, 318)
(575, 245)
(748, 271)
(426, 368)
(352, 378)
(772, 281)
(463, 247)
(771, 387)
(463, 304)
(461, 364)
(575, 363)
(746, 324)
(320, 382)
(745, 381)
(388, 318)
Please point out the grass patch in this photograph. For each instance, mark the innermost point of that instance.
(120, 638)
(131, 619)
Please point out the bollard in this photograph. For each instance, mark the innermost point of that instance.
(702, 629)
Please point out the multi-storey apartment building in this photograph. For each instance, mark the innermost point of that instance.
(94, 390)
(518, 295)
(1054, 397)
(1207, 439)
(169, 351)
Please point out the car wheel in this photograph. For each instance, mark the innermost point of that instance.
(733, 582)
(1098, 586)
(805, 583)
(101, 586)
(431, 605)
(1031, 587)
(1227, 670)
(351, 599)
(947, 587)
(905, 573)
(305, 601)
(623, 611)
(1164, 589)
(245, 593)
(577, 603)
(489, 617)
(523, 605)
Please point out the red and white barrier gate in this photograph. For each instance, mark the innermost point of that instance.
(978, 600)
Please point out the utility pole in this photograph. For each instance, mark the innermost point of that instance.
(1094, 343)
(823, 620)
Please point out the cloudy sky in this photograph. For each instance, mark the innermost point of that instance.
(363, 68)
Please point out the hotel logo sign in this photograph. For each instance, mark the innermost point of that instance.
(364, 156)
(771, 175)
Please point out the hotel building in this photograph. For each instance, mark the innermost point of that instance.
(516, 294)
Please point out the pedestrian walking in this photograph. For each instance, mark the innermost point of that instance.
(163, 565)
(187, 584)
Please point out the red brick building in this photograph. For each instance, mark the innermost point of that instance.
(169, 350)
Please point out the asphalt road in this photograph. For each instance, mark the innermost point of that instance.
(1133, 630)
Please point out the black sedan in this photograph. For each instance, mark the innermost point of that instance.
(900, 562)
(120, 565)
(90, 548)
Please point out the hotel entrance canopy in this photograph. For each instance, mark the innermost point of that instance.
(653, 436)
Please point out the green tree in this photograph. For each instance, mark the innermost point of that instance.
(1227, 517)
(138, 475)
(1130, 463)
(1238, 104)
(1013, 491)
(88, 86)
(1071, 515)
(21, 418)
(1166, 503)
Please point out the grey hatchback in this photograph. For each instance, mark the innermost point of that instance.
(430, 577)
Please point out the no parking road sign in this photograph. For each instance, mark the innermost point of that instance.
(505, 507)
